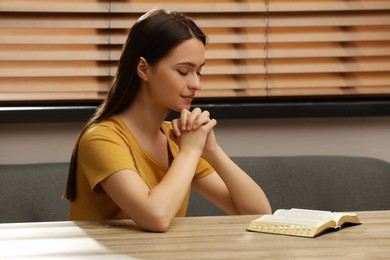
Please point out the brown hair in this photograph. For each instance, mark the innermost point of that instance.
(152, 37)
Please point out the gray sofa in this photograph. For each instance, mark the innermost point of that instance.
(338, 183)
(33, 192)
(335, 183)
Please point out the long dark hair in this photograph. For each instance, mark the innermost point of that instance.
(152, 37)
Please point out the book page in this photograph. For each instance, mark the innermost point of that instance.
(277, 219)
(319, 215)
(340, 218)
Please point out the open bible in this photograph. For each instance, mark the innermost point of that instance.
(302, 222)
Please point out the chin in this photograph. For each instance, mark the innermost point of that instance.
(180, 108)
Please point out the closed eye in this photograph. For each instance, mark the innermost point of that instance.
(183, 73)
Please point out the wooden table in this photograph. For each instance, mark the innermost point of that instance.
(222, 237)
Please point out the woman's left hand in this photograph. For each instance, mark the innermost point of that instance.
(192, 120)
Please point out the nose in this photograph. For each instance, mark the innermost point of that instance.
(194, 83)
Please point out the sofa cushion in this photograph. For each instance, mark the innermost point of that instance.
(335, 183)
(33, 192)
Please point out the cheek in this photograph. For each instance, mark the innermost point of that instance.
(160, 87)
(166, 81)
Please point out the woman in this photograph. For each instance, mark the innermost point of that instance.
(129, 162)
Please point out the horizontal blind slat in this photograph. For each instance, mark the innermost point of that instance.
(327, 5)
(68, 21)
(297, 50)
(54, 84)
(53, 36)
(55, 53)
(48, 6)
(53, 69)
(330, 34)
(321, 80)
(339, 65)
(329, 19)
(50, 96)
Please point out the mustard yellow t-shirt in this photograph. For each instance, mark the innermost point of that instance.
(107, 148)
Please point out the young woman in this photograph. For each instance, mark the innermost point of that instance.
(129, 162)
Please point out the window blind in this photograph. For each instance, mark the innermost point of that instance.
(68, 50)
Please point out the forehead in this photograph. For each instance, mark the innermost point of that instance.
(191, 50)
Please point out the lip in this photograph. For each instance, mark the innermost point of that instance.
(188, 98)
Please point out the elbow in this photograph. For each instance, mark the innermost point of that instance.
(267, 210)
(264, 209)
(258, 210)
(156, 223)
(158, 227)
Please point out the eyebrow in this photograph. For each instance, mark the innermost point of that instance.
(191, 64)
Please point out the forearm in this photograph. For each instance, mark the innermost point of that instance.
(167, 197)
(152, 208)
(246, 194)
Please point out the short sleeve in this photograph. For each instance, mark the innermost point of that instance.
(101, 153)
(203, 169)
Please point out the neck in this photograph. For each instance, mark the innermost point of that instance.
(144, 117)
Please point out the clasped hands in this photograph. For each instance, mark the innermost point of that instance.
(193, 132)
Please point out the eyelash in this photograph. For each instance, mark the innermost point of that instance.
(182, 73)
(186, 73)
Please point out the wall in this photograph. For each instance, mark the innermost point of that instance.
(358, 136)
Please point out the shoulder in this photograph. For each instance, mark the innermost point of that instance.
(105, 140)
(110, 129)
(110, 126)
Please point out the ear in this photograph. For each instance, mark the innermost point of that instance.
(143, 68)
